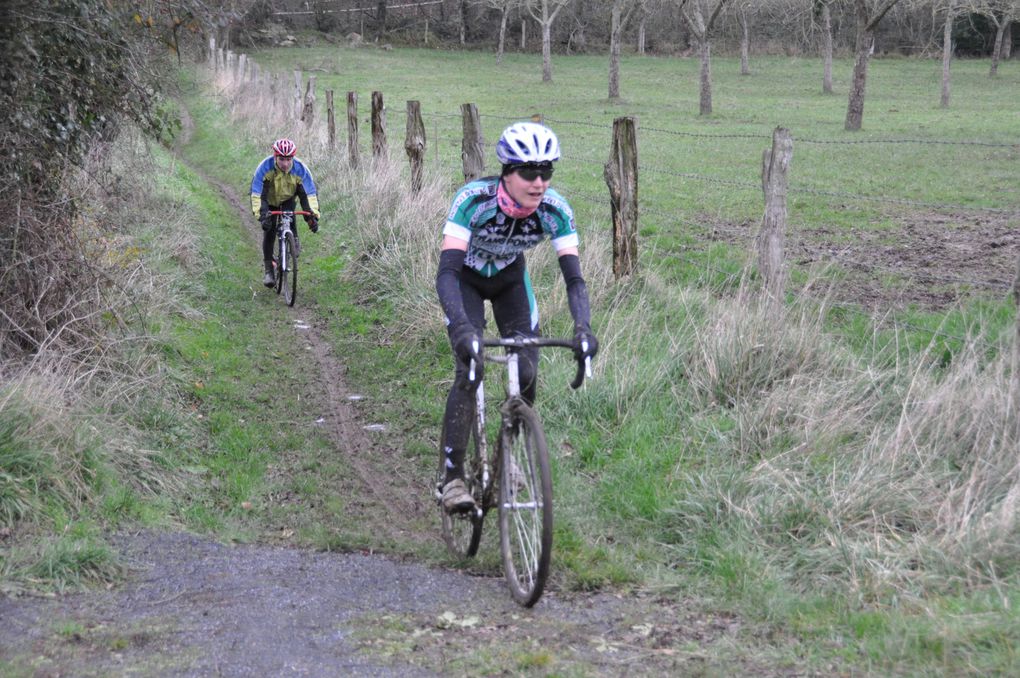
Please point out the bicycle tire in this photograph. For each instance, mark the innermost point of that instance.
(277, 264)
(289, 275)
(525, 503)
(463, 532)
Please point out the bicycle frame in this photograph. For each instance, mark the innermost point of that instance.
(513, 389)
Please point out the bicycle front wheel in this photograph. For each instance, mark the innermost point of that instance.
(462, 532)
(525, 503)
(278, 257)
(289, 274)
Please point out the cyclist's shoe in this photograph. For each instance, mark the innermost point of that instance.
(269, 279)
(456, 498)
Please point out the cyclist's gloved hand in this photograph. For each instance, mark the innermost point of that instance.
(313, 224)
(462, 338)
(583, 333)
(266, 220)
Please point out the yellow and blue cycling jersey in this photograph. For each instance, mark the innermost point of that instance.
(271, 188)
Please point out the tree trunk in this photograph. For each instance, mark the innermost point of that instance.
(1007, 43)
(745, 42)
(947, 54)
(827, 49)
(641, 36)
(524, 34)
(380, 15)
(614, 53)
(502, 35)
(463, 22)
(705, 47)
(855, 106)
(547, 52)
(1000, 30)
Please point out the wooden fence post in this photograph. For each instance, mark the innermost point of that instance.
(352, 130)
(242, 68)
(414, 143)
(770, 241)
(295, 109)
(212, 53)
(330, 119)
(308, 107)
(472, 154)
(378, 126)
(621, 174)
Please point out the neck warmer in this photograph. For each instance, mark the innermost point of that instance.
(509, 206)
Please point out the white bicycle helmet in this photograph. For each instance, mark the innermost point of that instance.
(527, 142)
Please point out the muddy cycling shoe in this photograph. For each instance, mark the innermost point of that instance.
(456, 498)
(269, 279)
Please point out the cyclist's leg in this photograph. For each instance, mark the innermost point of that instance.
(268, 241)
(460, 402)
(516, 314)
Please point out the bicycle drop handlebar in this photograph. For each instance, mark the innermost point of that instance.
(583, 366)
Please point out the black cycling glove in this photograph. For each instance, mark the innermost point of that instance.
(313, 224)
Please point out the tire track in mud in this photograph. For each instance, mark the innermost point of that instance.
(396, 495)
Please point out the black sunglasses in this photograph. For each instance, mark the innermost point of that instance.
(532, 172)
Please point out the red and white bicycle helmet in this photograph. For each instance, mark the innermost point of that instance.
(527, 142)
(284, 147)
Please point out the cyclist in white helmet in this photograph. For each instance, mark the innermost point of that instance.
(491, 222)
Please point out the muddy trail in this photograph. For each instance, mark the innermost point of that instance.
(190, 606)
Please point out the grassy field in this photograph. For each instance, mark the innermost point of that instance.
(844, 482)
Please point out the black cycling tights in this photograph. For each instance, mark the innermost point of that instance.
(510, 295)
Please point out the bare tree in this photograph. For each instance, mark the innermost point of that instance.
(694, 13)
(951, 8)
(869, 14)
(744, 10)
(548, 9)
(622, 11)
(1001, 13)
(825, 9)
(504, 7)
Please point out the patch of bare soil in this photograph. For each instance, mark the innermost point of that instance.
(928, 260)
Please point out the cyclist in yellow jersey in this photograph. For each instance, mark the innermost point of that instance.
(279, 182)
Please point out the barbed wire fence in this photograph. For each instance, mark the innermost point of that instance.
(447, 143)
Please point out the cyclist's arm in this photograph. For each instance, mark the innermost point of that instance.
(451, 263)
(577, 291)
(309, 203)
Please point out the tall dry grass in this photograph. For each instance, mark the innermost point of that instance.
(69, 419)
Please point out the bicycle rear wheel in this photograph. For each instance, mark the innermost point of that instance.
(289, 275)
(462, 532)
(525, 503)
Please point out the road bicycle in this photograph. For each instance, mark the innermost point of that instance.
(285, 254)
(516, 480)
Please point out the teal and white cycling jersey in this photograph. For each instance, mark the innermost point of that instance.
(494, 239)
